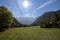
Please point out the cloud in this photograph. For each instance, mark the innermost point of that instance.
(43, 5)
(27, 15)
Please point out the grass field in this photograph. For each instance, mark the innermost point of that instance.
(31, 33)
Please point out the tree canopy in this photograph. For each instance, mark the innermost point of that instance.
(6, 18)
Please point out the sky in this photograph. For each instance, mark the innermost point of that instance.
(30, 8)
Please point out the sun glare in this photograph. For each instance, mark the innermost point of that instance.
(25, 4)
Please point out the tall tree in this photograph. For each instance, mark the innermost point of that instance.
(6, 18)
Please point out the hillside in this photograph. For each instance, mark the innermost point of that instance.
(16, 23)
(31, 33)
(46, 16)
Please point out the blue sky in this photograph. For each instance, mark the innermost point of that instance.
(36, 7)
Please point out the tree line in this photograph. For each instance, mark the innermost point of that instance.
(53, 22)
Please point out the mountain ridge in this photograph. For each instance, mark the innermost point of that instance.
(45, 16)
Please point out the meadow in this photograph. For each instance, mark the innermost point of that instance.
(31, 33)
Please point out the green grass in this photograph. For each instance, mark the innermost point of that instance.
(31, 33)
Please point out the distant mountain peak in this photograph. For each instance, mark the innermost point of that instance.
(26, 20)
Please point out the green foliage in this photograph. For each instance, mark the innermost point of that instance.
(52, 22)
(6, 18)
(25, 25)
(16, 23)
(45, 24)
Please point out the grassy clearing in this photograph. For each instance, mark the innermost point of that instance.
(31, 33)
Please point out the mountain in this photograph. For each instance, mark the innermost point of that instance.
(45, 16)
(26, 20)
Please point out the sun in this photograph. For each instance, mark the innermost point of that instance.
(25, 4)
